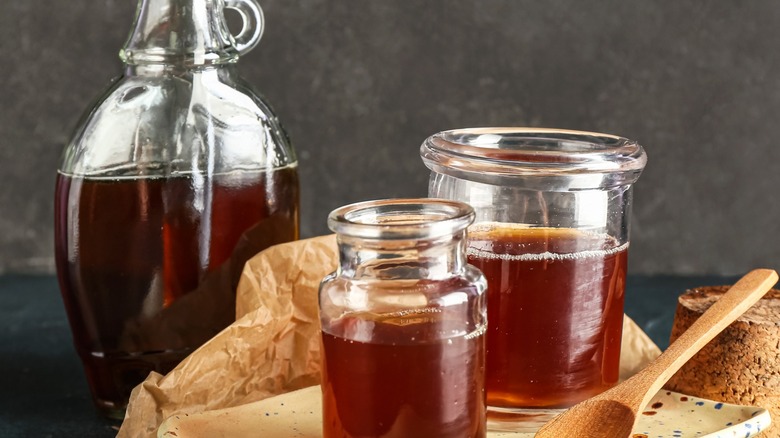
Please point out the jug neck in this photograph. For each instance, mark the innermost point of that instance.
(189, 33)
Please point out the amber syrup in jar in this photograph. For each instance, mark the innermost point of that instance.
(555, 312)
(408, 375)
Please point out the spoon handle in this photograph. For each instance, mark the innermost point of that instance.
(730, 306)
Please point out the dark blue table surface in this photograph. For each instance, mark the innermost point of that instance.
(43, 392)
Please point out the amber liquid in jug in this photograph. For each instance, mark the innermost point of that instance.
(571, 277)
(130, 250)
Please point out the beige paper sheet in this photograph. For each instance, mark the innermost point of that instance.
(273, 347)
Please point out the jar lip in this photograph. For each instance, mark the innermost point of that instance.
(496, 155)
(401, 219)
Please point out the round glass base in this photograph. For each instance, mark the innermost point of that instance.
(519, 420)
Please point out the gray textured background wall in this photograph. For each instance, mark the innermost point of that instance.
(359, 84)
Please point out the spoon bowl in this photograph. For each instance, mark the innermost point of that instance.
(614, 418)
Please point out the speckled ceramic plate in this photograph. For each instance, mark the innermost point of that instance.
(676, 415)
(298, 414)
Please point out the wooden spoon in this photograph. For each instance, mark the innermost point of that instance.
(613, 413)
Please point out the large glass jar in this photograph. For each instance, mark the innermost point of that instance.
(176, 176)
(403, 321)
(551, 236)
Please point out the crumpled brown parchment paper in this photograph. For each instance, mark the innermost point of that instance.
(273, 347)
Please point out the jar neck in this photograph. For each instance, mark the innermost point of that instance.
(179, 32)
(426, 259)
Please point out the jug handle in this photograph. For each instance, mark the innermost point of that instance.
(253, 24)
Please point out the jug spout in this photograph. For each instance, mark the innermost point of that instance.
(190, 32)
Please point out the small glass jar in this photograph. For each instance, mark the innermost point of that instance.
(403, 319)
(551, 236)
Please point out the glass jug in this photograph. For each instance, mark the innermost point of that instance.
(403, 322)
(551, 237)
(173, 179)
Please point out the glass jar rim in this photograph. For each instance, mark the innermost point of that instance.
(552, 158)
(401, 219)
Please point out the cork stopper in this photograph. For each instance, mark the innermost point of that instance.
(766, 312)
(742, 364)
